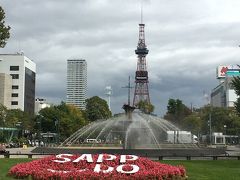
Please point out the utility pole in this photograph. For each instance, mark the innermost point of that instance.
(210, 124)
(57, 129)
(129, 87)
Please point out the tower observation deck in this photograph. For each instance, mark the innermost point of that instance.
(141, 92)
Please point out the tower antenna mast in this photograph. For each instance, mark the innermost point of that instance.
(141, 12)
(141, 92)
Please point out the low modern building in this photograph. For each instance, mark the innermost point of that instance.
(40, 104)
(224, 95)
(23, 75)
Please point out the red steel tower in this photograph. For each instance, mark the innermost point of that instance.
(141, 92)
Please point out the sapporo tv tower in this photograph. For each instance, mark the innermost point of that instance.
(141, 92)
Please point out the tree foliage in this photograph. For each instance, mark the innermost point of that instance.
(4, 30)
(12, 117)
(145, 107)
(67, 118)
(176, 111)
(198, 122)
(16, 118)
(3, 113)
(97, 108)
(192, 123)
(236, 86)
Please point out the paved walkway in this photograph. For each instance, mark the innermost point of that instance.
(20, 150)
(233, 150)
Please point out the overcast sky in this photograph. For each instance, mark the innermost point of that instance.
(186, 39)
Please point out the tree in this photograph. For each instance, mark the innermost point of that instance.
(16, 118)
(145, 107)
(4, 30)
(3, 113)
(97, 108)
(192, 123)
(176, 111)
(236, 87)
(219, 117)
(63, 119)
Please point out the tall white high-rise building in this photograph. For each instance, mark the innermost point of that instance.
(22, 82)
(77, 82)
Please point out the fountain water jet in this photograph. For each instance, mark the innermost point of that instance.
(132, 130)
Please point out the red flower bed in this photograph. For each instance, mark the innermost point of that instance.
(93, 167)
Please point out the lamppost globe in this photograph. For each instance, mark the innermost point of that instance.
(225, 127)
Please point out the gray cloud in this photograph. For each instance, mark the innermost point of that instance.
(187, 41)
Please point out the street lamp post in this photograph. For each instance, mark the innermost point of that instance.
(39, 131)
(4, 120)
(210, 127)
(225, 129)
(225, 132)
(19, 127)
(57, 129)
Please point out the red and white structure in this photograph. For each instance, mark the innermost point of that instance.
(141, 92)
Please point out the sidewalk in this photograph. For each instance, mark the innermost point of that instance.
(233, 150)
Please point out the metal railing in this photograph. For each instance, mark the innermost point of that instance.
(173, 157)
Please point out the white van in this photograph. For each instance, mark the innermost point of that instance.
(92, 141)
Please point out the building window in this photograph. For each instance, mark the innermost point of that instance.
(14, 68)
(14, 103)
(14, 94)
(14, 87)
(15, 76)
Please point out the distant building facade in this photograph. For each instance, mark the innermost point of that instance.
(40, 104)
(23, 76)
(224, 95)
(5, 89)
(76, 82)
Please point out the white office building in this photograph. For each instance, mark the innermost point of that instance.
(76, 82)
(22, 84)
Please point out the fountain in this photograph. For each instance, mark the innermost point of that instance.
(132, 130)
(130, 133)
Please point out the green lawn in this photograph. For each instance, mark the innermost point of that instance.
(196, 170)
(6, 164)
(209, 169)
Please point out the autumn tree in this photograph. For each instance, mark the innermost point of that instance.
(4, 30)
(145, 107)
